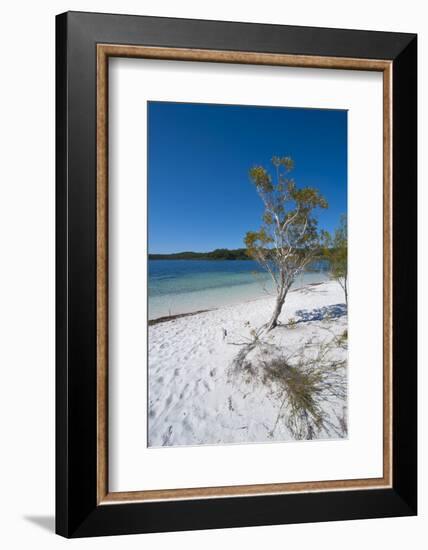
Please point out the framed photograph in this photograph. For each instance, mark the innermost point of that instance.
(236, 274)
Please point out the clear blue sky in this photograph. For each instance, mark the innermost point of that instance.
(200, 196)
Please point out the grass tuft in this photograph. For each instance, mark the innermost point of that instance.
(304, 386)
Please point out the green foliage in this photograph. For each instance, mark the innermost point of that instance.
(289, 235)
(292, 322)
(335, 250)
(286, 162)
(261, 178)
(342, 339)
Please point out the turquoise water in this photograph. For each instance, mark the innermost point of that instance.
(183, 286)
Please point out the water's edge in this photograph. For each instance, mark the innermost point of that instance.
(178, 287)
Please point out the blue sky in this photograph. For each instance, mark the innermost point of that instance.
(200, 196)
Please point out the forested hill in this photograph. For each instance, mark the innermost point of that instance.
(218, 254)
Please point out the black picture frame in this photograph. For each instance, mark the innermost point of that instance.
(77, 511)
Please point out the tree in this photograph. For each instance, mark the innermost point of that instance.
(288, 238)
(336, 252)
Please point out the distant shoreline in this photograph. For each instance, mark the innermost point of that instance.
(218, 254)
(165, 257)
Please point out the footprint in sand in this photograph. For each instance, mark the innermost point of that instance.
(187, 426)
(167, 436)
(186, 387)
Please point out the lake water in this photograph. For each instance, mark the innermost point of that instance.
(183, 286)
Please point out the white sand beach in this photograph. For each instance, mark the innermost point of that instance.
(200, 394)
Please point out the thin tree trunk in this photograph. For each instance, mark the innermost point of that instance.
(280, 299)
(344, 284)
(346, 292)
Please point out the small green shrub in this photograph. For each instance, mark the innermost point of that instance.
(292, 323)
(305, 385)
(342, 340)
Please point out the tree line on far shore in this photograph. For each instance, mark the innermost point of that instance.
(226, 254)
(217, 254)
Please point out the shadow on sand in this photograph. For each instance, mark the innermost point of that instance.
(321, 313)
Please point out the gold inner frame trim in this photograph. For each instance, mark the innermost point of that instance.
(104, 51)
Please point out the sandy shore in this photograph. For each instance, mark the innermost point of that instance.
(198, 394)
